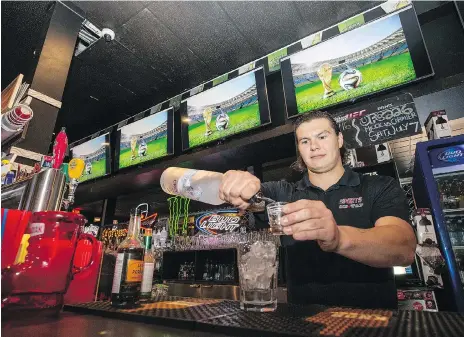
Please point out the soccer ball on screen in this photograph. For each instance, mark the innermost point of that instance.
(350, 79)
(222, 122)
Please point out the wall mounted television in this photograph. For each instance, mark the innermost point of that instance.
(149, 138)
(229, 108)
(377, 56)
(96, 155)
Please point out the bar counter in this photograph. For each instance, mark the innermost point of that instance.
(177, 316)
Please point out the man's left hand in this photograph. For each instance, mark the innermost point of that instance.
(311, 220)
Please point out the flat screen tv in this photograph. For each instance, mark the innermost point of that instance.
(229, 108)
(380, 55)
(96, 155)
(147, 139)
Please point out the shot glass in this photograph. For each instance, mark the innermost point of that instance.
(275, 214)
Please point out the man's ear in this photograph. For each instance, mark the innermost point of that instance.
(340, 140)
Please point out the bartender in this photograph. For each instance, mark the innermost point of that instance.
(344, 231)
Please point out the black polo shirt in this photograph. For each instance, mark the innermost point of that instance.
(315, 276)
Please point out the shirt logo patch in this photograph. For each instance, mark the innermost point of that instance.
(351, 203)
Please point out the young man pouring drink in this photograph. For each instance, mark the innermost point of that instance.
(343, 231)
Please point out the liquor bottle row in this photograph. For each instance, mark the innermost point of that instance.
(213, 271)
(134, 268)
(186, 271)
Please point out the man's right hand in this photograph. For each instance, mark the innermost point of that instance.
(237, 188)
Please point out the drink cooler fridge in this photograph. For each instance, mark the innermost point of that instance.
(435, 161)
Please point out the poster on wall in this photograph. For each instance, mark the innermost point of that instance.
(376, 123)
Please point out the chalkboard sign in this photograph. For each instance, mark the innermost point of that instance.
(379, 122)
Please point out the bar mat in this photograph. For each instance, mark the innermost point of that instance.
(340, 322)
(223, 316)
(163, 310)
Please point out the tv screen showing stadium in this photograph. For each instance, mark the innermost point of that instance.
(146, 139)
(235, 106)
(96, 154)
(374, 57)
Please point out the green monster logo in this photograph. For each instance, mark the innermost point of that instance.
(178, 206)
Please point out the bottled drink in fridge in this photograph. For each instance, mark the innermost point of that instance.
(128, 270)
(148, 267)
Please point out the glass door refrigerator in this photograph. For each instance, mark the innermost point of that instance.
(438, 184)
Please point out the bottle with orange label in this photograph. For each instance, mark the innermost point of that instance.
(128, 271)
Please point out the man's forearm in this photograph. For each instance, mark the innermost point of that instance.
(381, 247)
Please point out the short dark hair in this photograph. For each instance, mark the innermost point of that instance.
(299, 164)
(218, 106)
(308, 117)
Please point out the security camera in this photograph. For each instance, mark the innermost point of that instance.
(108, 34)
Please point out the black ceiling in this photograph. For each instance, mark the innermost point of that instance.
(23, 24)
(161, 48)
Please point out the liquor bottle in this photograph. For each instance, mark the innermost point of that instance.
(197, 185)
(210, 271)
(148, 267)
(128, 270)
(215, 273)
(180, 274)
(158, 264)
(206, 271)
(185, 271)
(191, 229)
(194, 184)
(163, 237)
(157, 239)
(192, 271)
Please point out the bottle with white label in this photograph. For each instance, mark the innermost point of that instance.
(156, 239)
(198, 185)
(148, 267)
(194, 184)
(163, 237)
(128, 271)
